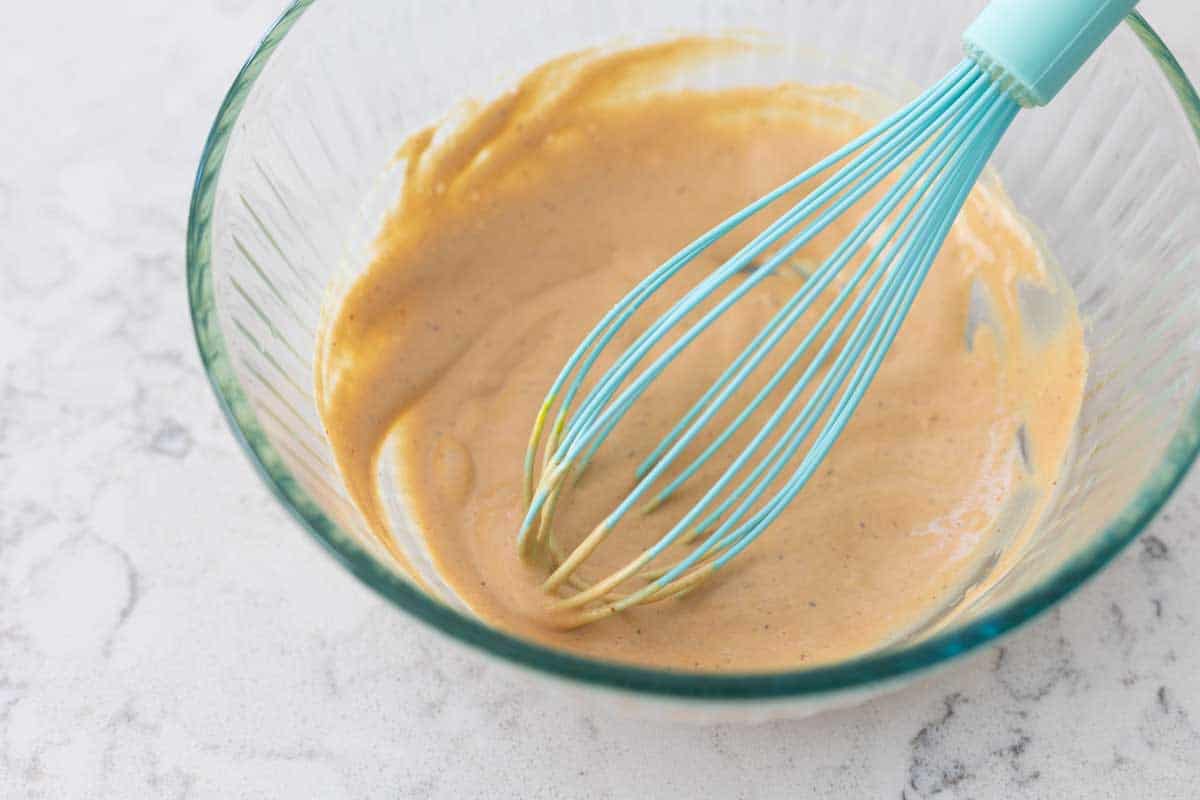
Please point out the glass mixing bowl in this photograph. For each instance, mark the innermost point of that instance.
(297, 174)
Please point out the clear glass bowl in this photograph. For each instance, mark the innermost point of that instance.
(296, 176)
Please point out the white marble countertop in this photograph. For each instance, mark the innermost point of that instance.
(166, 631)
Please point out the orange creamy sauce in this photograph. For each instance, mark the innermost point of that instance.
(520, 228)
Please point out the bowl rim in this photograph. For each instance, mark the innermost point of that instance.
(858, 673)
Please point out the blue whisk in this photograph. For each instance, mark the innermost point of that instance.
(1019, 54)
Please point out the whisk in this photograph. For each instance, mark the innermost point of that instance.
(1019, 54)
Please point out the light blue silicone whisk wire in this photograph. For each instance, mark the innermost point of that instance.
(1020, 53)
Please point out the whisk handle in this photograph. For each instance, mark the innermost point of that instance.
(1033, 47)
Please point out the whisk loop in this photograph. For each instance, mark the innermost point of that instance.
(939, 143)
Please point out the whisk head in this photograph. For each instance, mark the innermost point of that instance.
(936, 147)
